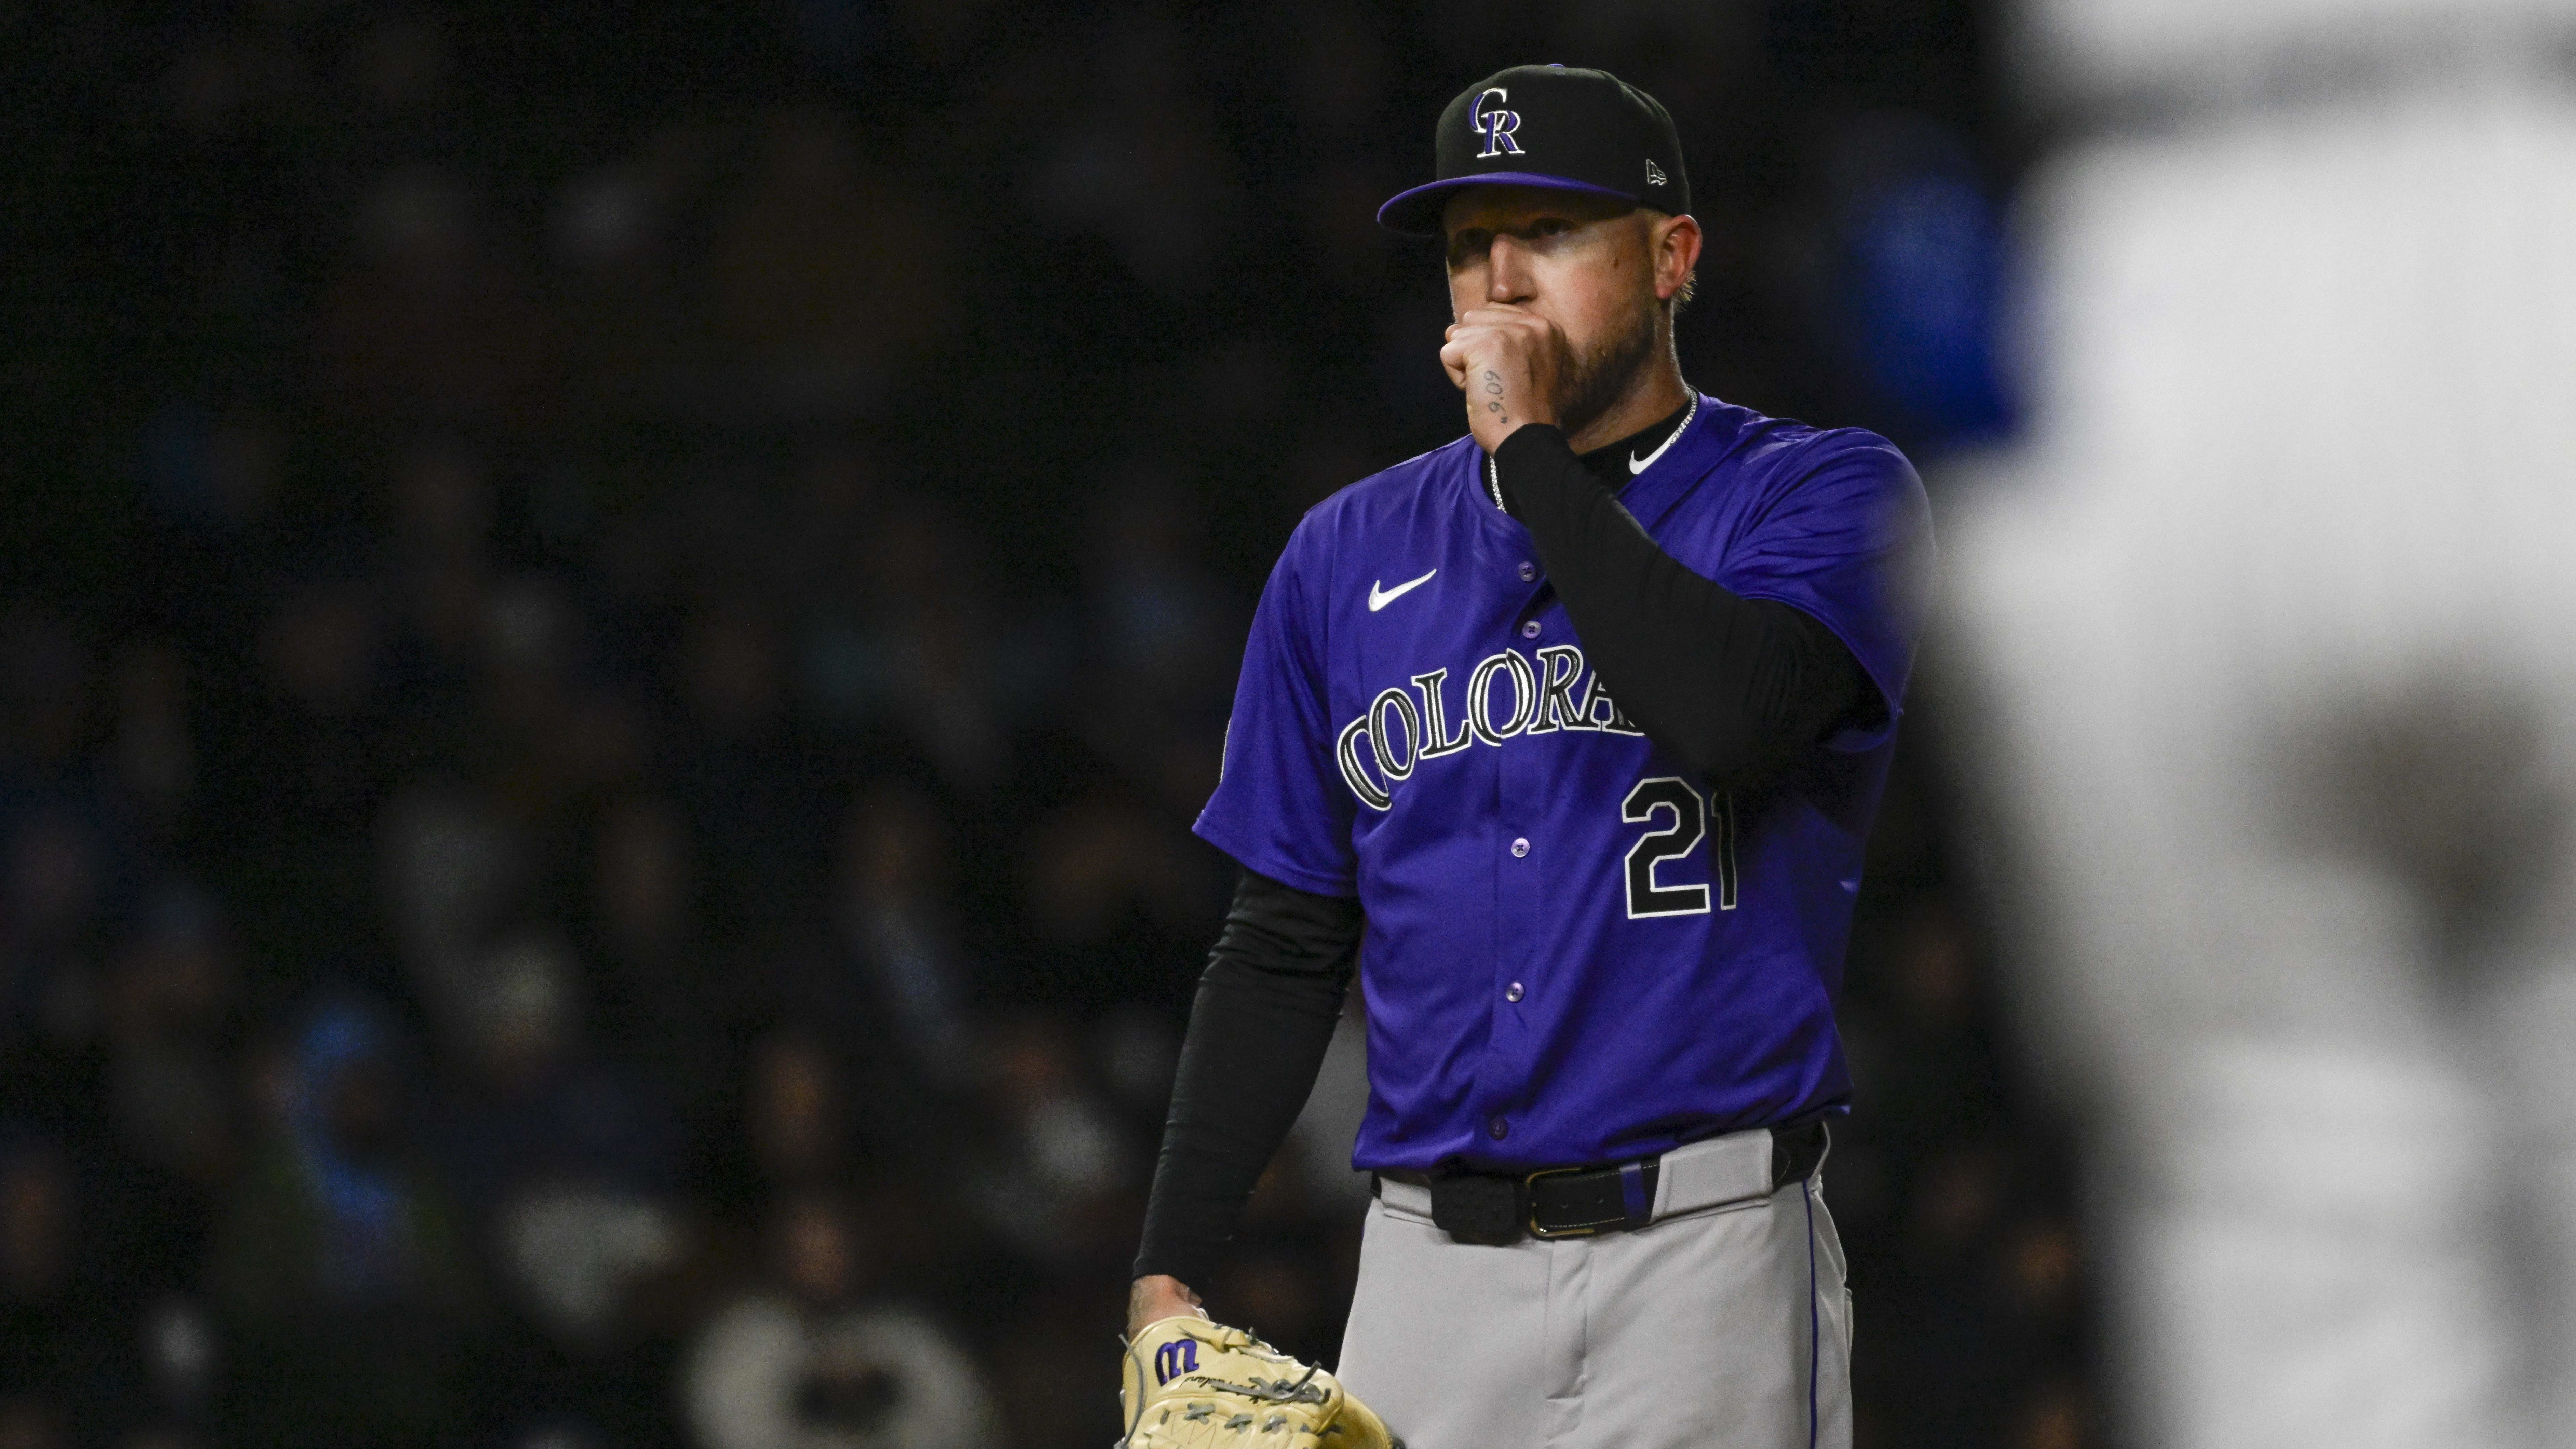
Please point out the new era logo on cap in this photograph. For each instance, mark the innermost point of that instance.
(1552, 126)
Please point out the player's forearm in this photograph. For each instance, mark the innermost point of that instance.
(1732, 687)
(1258, 1031)
(1158, 1296)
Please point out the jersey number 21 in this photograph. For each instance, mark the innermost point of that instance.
(1672, 802)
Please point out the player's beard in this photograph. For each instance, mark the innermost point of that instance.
(1602, 374)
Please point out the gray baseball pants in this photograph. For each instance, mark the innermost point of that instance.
(1722, 1324)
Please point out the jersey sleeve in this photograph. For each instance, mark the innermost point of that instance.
(1847, 540)
(1280, 806)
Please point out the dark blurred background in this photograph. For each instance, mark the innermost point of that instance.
(613, 623)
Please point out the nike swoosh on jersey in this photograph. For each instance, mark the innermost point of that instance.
(1637, 465)
(1379, 598)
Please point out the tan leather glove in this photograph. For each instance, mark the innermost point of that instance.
(1192, 1384)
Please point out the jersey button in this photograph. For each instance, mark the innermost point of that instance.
(1497, 1128)
(1520, 847)
(1514, 994)
(1529, 571)
(1530, 629)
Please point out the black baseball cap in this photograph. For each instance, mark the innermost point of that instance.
(1553, 126)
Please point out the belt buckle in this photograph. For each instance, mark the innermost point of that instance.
(1529, 1185)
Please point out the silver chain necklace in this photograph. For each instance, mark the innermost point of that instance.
(1494, 477)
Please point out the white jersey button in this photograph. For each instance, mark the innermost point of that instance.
(1514, 994)
(1530, 629)
(1520, 847)
(1529, 571)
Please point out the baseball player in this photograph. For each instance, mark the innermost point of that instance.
(1571, 732)
(2265, 618)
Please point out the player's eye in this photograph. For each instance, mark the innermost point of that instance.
(1468, 245)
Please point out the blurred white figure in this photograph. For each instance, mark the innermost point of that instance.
(809, 1361)
(2267, 631)
(768, 1377)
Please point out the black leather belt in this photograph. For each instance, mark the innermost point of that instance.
(1578, 1202)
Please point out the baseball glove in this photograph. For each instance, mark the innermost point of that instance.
(1192, 1384)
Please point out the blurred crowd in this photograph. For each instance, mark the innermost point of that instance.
(612, 636)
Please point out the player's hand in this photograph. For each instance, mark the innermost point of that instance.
(1156, 1298)
(1509, 362)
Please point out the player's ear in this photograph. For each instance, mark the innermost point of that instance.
(1675, 243)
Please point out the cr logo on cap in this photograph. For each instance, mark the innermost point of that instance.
(1496, 125)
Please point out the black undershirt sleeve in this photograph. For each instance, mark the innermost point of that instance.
(1735, 688)
(1264, 1015)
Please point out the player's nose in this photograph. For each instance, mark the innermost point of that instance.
(1508, 277)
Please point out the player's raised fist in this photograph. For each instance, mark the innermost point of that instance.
(1509, 362)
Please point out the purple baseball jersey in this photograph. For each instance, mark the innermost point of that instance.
(1575, 953)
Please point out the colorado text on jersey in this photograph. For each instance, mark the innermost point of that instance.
(1401, 734)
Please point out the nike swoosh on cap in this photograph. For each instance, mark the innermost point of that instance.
(1379, 597)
